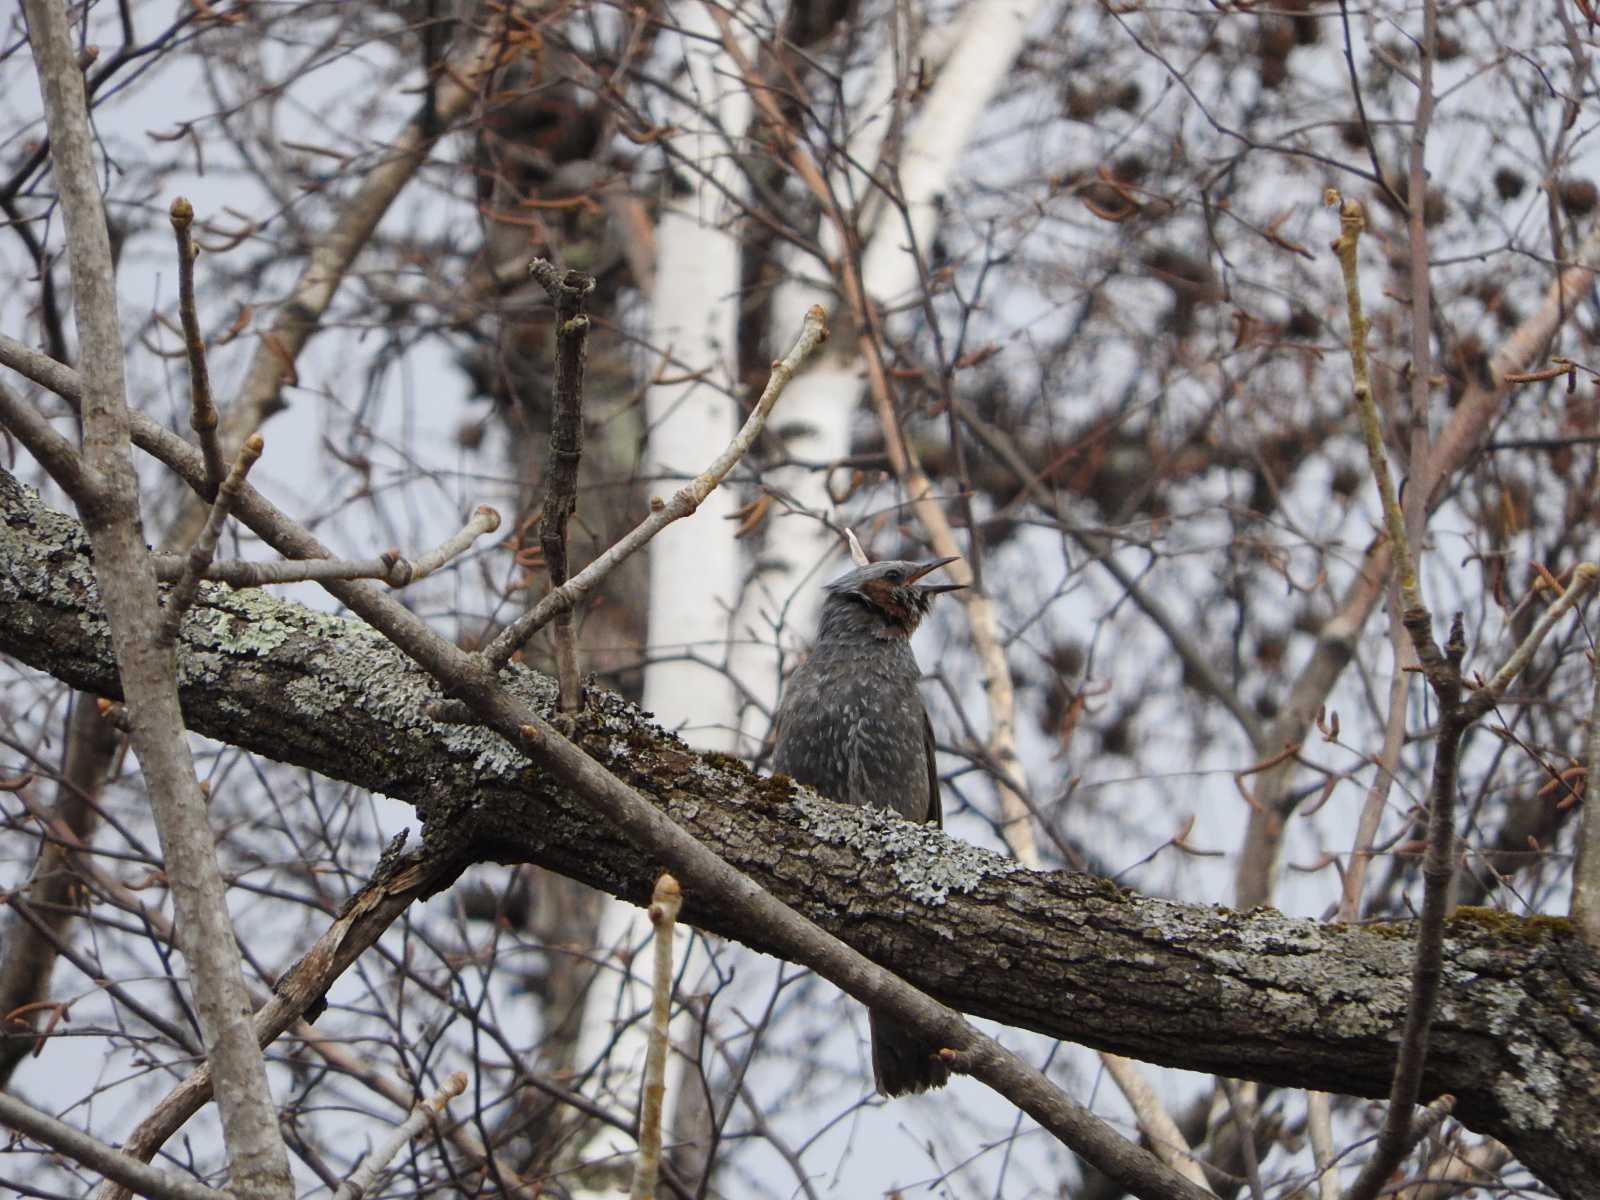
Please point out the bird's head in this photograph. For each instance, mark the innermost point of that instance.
(884, 598)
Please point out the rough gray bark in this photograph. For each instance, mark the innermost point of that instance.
(1252, 995)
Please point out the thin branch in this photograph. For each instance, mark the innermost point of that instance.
(484, 520)
(205, 546)
(1239, 1106)
(1395, 1138)
(1394, 736)
(1319, 1124)
(1378, 173)
(138, 1177)
(1425, 1123)
(54, 452)
(1416, 499)
(30, 956)
(1463, 434)
(684, 502)
(1352, 221)
(1478, 410)
(569, 291)
(338, 1054)
(91, 969)
(664, 906)
(1198, 665)
(383, 1154)
(389, 567)
(1457, 1170)
(1584, 577)
(49, 373)
(202, 409)
(1443, 672)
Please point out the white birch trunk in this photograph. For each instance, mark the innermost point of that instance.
(695, 565)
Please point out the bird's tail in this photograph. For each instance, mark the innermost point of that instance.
(903, 1061)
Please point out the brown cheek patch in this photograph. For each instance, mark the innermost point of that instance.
(891, 600)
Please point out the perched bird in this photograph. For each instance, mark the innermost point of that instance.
(852, 726)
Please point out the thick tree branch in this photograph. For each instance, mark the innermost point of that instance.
(202, 409)
(1256, 996)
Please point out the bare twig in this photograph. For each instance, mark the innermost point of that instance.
(1352, 221)
(338, 1054)
(202, 409)
(569, 291)
(1425, 1123)
(1463, 433)
(1584, 577)
(484, 520)
(1394, 1139)
(1378, 173)
(205, 546)
(367, 1174)
(664, 906)
(1197, 664)
(30, 954)
(664, 512)
(1459, 1170)
(1240, 1107)
(389, 567)
(1394, 736)
(1443, 671)
(37, 922)
(1415, 503)
(38, 366)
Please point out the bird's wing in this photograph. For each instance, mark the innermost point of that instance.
(935, 808)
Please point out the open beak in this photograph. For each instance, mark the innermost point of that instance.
(929, 568)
